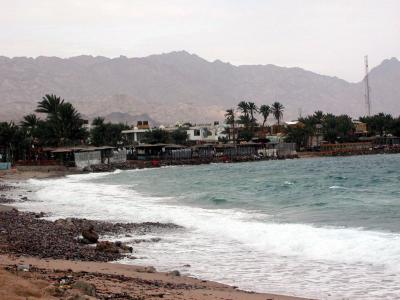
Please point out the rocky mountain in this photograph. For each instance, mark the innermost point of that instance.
(179, 86)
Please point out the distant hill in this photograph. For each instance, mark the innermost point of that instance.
(179, 86)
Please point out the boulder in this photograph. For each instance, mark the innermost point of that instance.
(90, 235)
(108, 247)
(123, 248)
(67, 224)
(174, 273)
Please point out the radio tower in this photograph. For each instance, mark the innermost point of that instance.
(367, 89)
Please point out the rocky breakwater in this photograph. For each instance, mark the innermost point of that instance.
(25, 233)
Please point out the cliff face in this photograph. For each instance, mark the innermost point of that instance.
(183, 86)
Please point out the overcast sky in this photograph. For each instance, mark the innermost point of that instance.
(326, 36)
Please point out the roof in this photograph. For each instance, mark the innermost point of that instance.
(150, 145)
(203, 146)
(66, 149)
(135, 130)
(174, 146)
(77, 149)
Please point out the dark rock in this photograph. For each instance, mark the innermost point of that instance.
(108, 247)
(123, 247)
(174, 273)
(67, 224)
(40, 215)
(22, 233)
(90, 235)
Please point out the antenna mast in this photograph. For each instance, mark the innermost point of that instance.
(367, 88)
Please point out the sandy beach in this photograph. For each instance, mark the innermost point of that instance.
(41, 259)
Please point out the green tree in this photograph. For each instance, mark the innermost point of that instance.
(244, 117)
(179, 136)
(106, 133)
(395, 128)
(253, 109)
(243, 107)
(156, 136)
(69, 125)
(49, 104)
(277, 110)
(13, 139)
(338, 128)
(345, 128)
(298, 135)
(230, 120)
(265, 111)
(318, 116)
(64, 125)
(378, 124)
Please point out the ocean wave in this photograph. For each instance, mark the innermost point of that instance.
(120, 203)
(338, 187)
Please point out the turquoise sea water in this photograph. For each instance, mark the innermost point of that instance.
(327, 228)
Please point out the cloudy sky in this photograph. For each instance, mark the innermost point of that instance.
(326, 36)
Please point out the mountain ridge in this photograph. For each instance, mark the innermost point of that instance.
(182, 86)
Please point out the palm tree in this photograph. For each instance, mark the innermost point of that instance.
(244, 118)
(277, 110)
(318, 116)
(98, 121)
(230, 120)
(49, 104)
(30, 122)
(252, 109)
(265, 110)
(243, 106)
(69, 123)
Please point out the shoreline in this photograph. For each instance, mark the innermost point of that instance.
(24, 235)
(25, 172)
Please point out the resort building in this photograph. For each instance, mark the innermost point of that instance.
(206, 133)
(360, 128)
(137, 133)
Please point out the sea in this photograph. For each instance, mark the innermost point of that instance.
(324, 228)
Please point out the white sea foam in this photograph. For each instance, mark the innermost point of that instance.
(337, 187)
(235, 247)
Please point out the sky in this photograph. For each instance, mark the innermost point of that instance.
(329, 37)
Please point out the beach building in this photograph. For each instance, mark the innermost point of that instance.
(360, 128)
(137, 134)
(156, 152)
(206, 133)
(83, 156)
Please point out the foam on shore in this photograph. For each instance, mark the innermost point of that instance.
(235, 246)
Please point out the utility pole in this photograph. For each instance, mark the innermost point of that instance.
(367, 88)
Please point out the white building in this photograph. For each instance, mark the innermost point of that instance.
(135, 135)
(206, 133)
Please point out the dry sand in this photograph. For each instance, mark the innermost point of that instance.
(111, 281)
